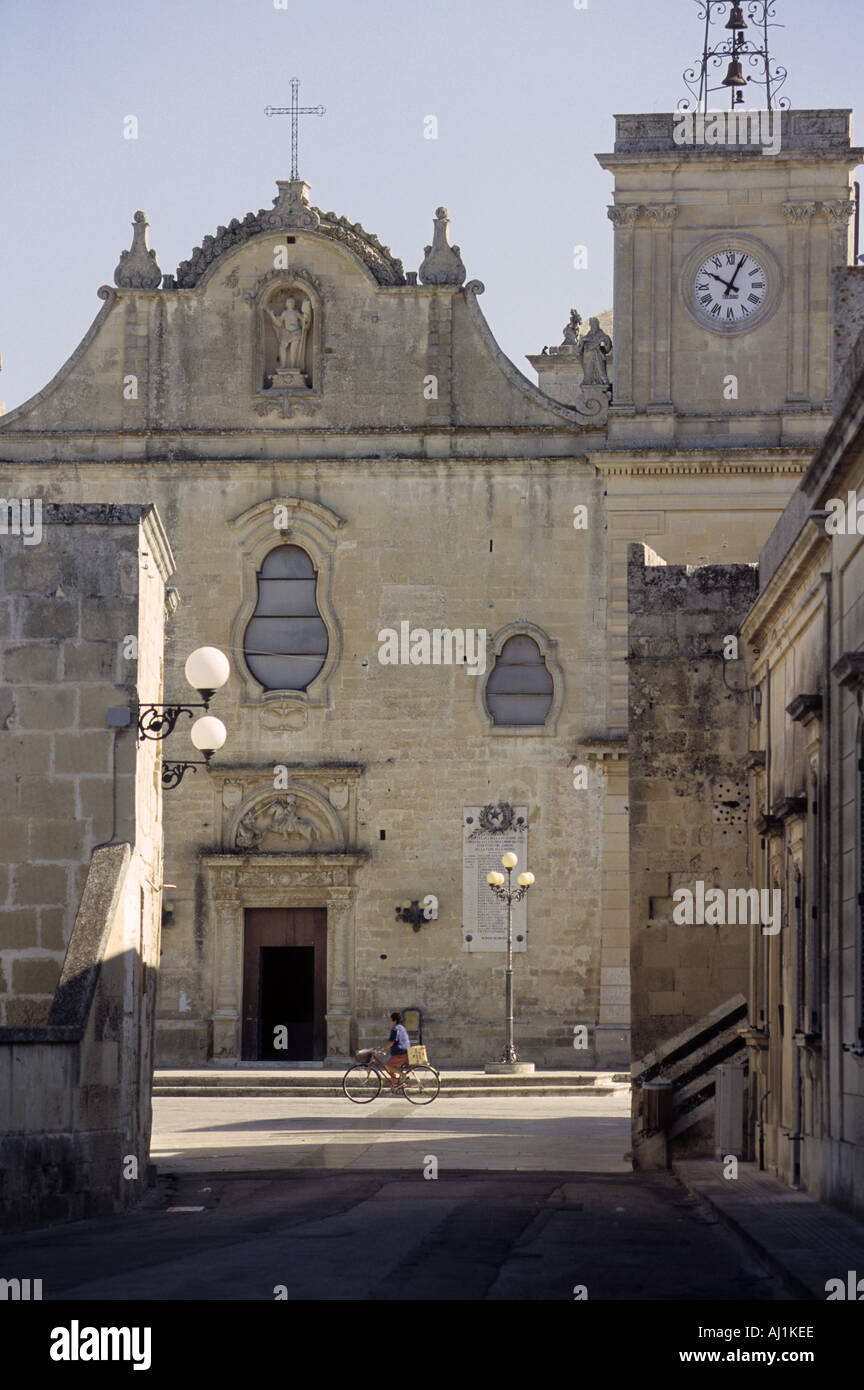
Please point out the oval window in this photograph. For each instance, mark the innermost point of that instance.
(519, 689)
(285, 643)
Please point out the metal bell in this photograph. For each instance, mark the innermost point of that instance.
(736, 18)
(735, 76)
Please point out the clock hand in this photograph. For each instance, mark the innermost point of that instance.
(735, 276)
(712, 276)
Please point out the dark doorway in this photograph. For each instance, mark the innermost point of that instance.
(284, 984)
(287, 1009)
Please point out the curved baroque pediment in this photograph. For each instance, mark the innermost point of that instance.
(292, 210)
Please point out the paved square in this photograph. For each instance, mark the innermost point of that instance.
(586, 1134)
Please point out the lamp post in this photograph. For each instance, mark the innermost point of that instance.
(509, 895)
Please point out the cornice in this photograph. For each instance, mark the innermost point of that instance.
(697, 463)
(311, 772)
(797, 571)
(725, 155)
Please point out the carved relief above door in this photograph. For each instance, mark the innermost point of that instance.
(299, 810)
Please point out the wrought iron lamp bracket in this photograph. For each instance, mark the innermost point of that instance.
(157, 721)
(515, 896)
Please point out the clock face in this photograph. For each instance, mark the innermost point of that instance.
(729, 288)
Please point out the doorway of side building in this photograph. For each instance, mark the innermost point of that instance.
(284, 984)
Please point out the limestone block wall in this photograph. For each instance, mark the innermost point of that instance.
(72, 643)
(72, 1142)
(688, 742)
(455, 543)
(85, 609)
(444, 545)
(848, 283)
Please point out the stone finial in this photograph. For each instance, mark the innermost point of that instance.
(138, 268)
(443, 263)
(292, 208)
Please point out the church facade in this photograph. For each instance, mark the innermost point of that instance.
(416, 561)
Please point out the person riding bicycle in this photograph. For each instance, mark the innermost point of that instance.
(398, 1044)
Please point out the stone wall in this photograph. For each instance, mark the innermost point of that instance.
(848, 284)
(69, 609)
(84, 615)
(71, 1144)
(688, 788)
(805, 636)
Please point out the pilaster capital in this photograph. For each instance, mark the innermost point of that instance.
(800, 211)
(664, 214)
(840, 210)
(623, 215)
(340, 901)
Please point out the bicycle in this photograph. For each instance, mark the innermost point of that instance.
(361, 1083)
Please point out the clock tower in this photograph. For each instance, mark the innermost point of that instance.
(728, 228)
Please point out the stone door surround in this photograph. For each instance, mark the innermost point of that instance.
(235, 882)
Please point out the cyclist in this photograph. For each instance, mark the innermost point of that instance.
(397, 1044)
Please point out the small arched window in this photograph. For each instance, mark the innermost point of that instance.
(519, 689)
(285, 643)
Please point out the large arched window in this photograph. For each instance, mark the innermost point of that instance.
(285, 643)
(520, 688)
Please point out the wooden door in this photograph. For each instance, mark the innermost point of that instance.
(285, 972)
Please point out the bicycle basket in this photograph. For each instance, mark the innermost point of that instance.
(365, 1054)
(416, 1055)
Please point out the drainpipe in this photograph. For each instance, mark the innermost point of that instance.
(801, 925)
(766, 940)
(825, 856)
(762, 1131)
(766, 853)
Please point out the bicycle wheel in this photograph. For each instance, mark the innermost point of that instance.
(421, 1085)
(361, 1084)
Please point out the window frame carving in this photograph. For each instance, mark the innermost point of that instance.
(314, 528)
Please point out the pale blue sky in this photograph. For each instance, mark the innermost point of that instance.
(524, 94)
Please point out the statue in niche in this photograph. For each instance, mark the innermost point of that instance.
(594, 351)
(291, 324)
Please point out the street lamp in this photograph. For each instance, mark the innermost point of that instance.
(207, 670)
(509, 895)
(208, 735)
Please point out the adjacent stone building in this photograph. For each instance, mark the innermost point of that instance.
(805, 642)
(83, 612)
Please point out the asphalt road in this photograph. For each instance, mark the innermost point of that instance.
(342, 1205)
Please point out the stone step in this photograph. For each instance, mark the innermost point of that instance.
(326, 1092)
(285, 1081)
(241, 1077)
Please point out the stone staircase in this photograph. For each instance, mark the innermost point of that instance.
(284, 1080)
(688, 1060)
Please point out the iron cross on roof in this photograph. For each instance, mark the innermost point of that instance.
(295, 111)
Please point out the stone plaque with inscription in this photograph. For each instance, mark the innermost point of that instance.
(487, 833)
